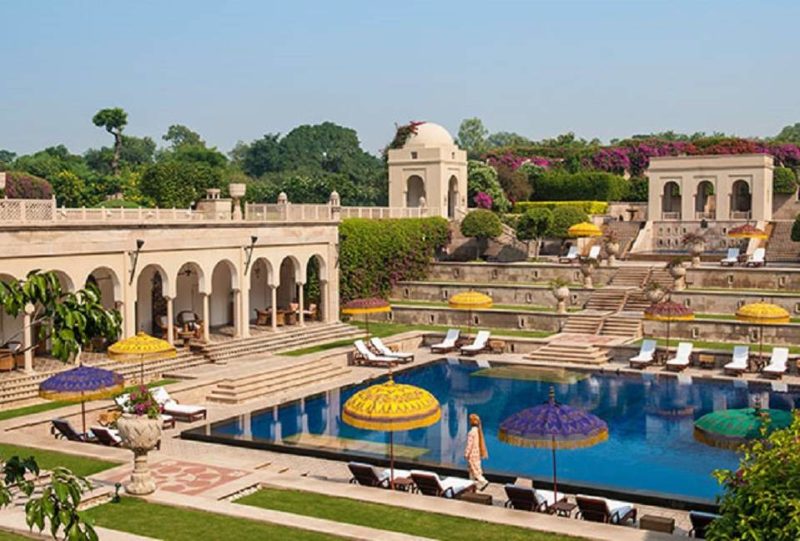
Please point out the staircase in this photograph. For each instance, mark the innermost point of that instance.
(780, 247)
(284, 340)
(276, 380)
(636, 302)
(626, 234)
(505, 248)
(628, 327)
(660, 276)
(606, 300)
(630, 277)
(583, 324)
(571, 352)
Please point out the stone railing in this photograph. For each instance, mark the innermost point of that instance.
(384, 212)
(27, 210)
(288, 212)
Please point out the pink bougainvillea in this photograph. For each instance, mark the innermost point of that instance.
(483, 200)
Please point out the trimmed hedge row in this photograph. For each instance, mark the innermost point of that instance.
(376, 254)
(589, 207)
(595, 185)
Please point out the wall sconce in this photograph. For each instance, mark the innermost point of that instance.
(249, 251)
(135, 259)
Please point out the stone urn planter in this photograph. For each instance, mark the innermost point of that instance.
(561, 293)
(140, 434)
(654, 294)
(678, 273)
(587, 269)
(612, 249)
(696, 249)
(237, 191)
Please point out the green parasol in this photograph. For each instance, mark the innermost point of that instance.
(731, 428)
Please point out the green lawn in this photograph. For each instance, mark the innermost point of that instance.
(397, 519)
(722, 346)
(518, 307)
(47, 460)
(177, 524)
(383, 329)
(8, 536)
(47, 406)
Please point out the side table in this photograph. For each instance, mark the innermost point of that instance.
(476, 497)
(657, 524)
(706, 360)
(497, 346)
(563, 508)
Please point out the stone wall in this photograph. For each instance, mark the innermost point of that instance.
(728, 302)
(734, 278)
(506, 319)
(785, 206)
(515, 272)
(500, 293)
(725, 331)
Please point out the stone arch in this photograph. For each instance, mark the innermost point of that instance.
(109, 285)
(415, 188)
(315, 291)
(705, 202)
(671, 199)
(289, 274)
(190, 286)
(222, 311)
(152, 288)
(741, 197)
(452, 196)
(66, 281)
(262, 277)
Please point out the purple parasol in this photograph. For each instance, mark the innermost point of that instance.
(555, 426)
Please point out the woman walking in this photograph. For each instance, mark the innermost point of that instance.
(476, 451)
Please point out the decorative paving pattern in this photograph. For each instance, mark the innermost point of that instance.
(187, 477)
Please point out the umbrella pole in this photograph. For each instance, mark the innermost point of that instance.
(555, 478)
(83, 414)
(761, 345)
(391, 459)
(667, 340)
(366, 324)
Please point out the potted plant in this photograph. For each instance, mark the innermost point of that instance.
(611, 241)
(653, 292)
(560, 288)
(696, 242)
(588, 264)
(677, 270)
(140, 429)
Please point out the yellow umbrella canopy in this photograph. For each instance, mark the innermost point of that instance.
(470, 300)
(372, 305)
(747, 231)
(762, 313)
(584, 229)
(141, 348)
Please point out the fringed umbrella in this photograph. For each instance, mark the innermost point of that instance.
(554, 426)
(762, 313)
(141, 348)
(747, 231)
(730, 429)
(584, 229)
(373, 305)
(668, 311)
(470, 300)
(81, 384)
(391, 407)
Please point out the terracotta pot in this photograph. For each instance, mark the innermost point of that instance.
(140, 435)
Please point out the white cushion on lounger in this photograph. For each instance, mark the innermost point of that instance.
(182, 409)
(456, 483)
(160, 395)
(547, 497)
(398, 474)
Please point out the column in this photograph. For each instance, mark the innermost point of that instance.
(170, 323)
(273, 291)
(688, 189)
(205, 316)
(237, 313)
(27, 337)
(322, 309)
(300, 303)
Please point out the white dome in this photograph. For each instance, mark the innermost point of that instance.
(430, 135)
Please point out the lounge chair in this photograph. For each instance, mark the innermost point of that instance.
(700, 523)
(381, 348)
(431, 484)
(106, 436)
(740, 361)
(776, 367)
(731, 259)
(366, 475)
(182, 412)
(480, 344)
(530, 499)
(448, 344)
(63, 429)
(682, 358)
(646, 355)
(756, 259)
(598, 509)
(594, 252)
(572, 255)
(365, 356)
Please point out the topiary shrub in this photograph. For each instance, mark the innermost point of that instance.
(784, 180)
(376, 254)
(21, 185)
(534, 225)
(796, 229)
(481, 225)
(565, 217)
(560, 185)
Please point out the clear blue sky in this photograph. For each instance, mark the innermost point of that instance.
(236, 70)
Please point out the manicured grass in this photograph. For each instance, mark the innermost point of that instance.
(397, 519)
(519, 307)
(8, 536)
(383, 329)
(178, 524)
(47, 460)
(47, 406)
(722, 346)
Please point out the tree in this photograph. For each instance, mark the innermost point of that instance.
(533, 225)
(174, 183)
(514, 182)
(789, 134)
(796, 229)
(69, 189)
(785, 180)
(69, 320)
(24, 186)
(762, 497)
(113, 120)
(481, 225)
(179, 135)
(261, 156)
(506, 139)
(482, 177)
(565, 217)
(472, 136)
(6, 157)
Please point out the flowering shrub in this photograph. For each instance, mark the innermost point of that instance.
(141, 403)
(25, 186)
(514, 162)
(401, 135)
(483, 200)
(589, 207)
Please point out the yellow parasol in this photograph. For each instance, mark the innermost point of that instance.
(391, 407)
(584, 229)
(762, 313)
(141, 348)
(374, 305)
(470, 300)
(747, 231)
(668, 311)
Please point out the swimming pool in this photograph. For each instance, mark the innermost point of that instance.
(650, 448)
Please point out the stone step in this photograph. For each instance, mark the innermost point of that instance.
(563, 352)
(268, 375)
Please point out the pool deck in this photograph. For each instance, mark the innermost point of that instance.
(203, 475)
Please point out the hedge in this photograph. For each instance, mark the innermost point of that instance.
(784, 180)
(589, 207)
(376, 254)
(21, 185)
(563, 186)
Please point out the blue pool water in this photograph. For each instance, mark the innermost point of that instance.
(650, 445)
